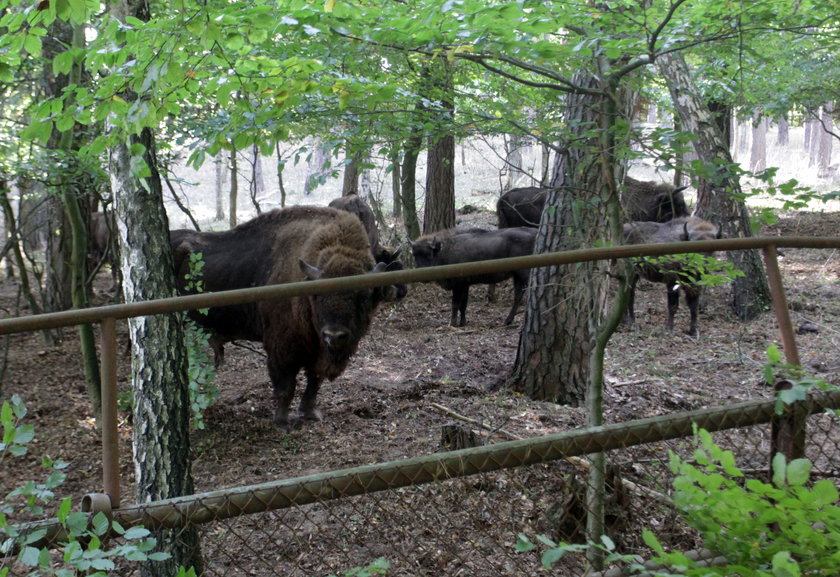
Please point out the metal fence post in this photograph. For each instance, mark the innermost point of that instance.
(110, 435)
(788, 429)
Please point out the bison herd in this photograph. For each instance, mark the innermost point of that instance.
(320, 333)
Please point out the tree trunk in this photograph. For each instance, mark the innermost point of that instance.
(718, 196)
(396, 181)
(316, 167)
(439, 212)
(234, 189)
(783, 134)
(281, 165)
(815, 138)
(159, 379)
(826, 138)
(220, 186)
(758, 150)
(545, 166)
(513, 148)
(161, 408)
(409, 180)
(560, 354)
(257, 184)
(352, 169)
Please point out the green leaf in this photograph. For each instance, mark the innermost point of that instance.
(30, 556)
(62, 63)
(798, 472)
(32, 44)
(100, 524)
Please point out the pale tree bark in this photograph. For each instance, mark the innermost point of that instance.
(257, 185)
(815, 138)
(408, 195)
(826, 138)
(516, 175)
(718, 196)
(545, 166)
(161, 407)
(758, 148)
(783, 133)
(317, 166)
(219, 165)
(233, 193)
(352, 170)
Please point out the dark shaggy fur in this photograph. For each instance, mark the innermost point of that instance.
(318, 334)
(459, 246)
(669, 272)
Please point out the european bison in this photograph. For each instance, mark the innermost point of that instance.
(100, 238)
(640, 201)
(319, 333)
(455, 246)
(671, 270)
(354, 204)
(651, 201)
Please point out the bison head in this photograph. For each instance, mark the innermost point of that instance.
(426, 251)
(340, 319)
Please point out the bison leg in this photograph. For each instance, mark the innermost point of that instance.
(460, 296)
(491, 293)
(520, 281)
(283, 378)
(692, 299)
(310, 394)
(673, 305)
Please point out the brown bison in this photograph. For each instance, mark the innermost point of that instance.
(651, 201)
(319, 333)
(455, 246)
(640, 201)
(100, 238)
(354, 204)
(671, 270)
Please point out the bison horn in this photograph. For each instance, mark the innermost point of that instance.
(680, 189)
(685, 235)
(380, 266)
(311, 272)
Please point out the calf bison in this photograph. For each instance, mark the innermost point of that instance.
(455, 246)
(353, 204)
(640, 201)
(318, 333)
(672, 271)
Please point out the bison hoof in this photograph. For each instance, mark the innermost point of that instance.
(312, 415)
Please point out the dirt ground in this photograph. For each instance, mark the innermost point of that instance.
(384, 406)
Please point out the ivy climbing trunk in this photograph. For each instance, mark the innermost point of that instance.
(719, 197)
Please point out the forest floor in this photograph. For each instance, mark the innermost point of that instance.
(384, 406)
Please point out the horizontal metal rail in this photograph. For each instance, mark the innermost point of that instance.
(222, 504)
(241, 296)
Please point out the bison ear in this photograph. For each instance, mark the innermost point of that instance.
(719, 233)
(309, 271)
(684, 235)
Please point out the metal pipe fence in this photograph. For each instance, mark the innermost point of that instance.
(392, 478)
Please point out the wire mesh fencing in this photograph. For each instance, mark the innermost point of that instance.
(461, 512)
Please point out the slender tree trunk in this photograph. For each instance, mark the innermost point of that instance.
(409, 182)
(234, 190)
(316, 167)
(545, 166)
(513, 161)
(257, 185)
(396, 182)
(281, 165)
(783, 134)
(826, 138)
(758, 150)
(718, 196)
(220, 186)
(815, 138)
(350, 182)
(161, 408)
